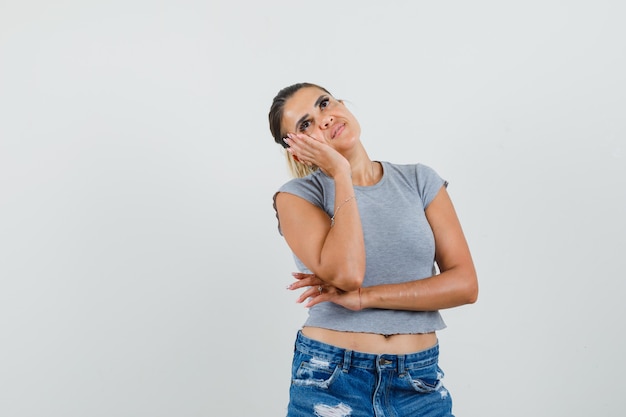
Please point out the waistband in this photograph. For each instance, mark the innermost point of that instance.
(349, 358)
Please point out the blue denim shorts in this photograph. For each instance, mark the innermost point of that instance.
(330, 381)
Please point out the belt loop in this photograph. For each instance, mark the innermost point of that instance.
(401, 368)
(347, 356)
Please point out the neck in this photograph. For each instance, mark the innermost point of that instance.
(366, 172)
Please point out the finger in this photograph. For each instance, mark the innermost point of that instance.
(308, 279)
(296, 144)
(304, 282)
(301, 155)
(320, 298)
(313, 138)
(307, 142)
(299, 140)
(297, 285)
(311, 292)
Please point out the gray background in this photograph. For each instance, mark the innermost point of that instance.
(141, 273)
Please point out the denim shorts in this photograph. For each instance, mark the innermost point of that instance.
(328, 381)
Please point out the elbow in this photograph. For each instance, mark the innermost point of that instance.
(346, 276)
(463, 286)
(349, 280)
(351, 284)
(471, 289)
(472, 297)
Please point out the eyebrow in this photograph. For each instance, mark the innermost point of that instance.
(317, 103)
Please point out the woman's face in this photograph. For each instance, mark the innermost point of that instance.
(316, 113)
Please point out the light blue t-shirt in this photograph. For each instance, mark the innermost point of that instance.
(399, 244)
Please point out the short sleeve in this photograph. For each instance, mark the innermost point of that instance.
(428, 183)
(307, 188)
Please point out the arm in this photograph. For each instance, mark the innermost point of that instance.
(336, 255)
(456, 284)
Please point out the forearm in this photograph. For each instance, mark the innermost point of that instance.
(342, 258)
(452, 288)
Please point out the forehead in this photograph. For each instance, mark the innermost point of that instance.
(302, 102)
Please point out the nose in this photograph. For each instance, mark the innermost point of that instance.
(326, 122)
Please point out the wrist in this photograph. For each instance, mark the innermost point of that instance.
(363, 298)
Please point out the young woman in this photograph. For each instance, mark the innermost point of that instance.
(380, 250)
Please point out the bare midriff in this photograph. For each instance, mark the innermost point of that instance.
(395, 344)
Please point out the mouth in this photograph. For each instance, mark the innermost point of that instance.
(337, 130)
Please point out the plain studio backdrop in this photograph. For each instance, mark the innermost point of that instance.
(141, 271)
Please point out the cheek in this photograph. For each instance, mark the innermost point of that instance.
(355, 128)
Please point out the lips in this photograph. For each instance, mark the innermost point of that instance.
(337, 130)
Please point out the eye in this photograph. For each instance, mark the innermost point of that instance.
(324, 103)
(305, 125)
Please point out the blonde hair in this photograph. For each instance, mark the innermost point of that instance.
(298, 169)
